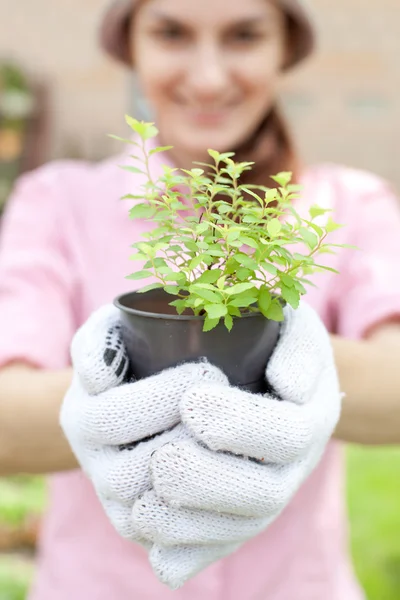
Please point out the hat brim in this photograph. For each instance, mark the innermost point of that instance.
(114, 31)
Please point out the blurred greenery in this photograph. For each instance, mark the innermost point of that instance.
(21, 497)
(373, 496)
(374, 504)
(15, 576)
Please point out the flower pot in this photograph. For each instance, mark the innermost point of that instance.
(156, 338)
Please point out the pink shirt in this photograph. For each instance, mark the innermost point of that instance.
(65, 245)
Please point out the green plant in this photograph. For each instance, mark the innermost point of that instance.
(219, 247)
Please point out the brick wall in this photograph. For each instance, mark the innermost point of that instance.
(344, 104)
(54, 39)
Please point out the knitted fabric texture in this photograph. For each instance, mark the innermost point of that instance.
(187, 465)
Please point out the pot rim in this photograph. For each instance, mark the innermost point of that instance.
(171, 317)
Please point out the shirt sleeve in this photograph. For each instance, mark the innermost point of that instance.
(370, 287)
(36, 282)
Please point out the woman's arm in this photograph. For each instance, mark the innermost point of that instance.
(369, 372)
(31, 440)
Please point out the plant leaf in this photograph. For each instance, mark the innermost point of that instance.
(309, 237)
(160, 149)
(210, 324)
(210, 276)
(264, 300)
(275, 311)
(238, 288)
(131, 169)
(241, 301)
(140, 275)
(274, 227)
(148, 288)
(228, 321)
(291, 295)
(141, 211)
(216, 311)
(205, 294)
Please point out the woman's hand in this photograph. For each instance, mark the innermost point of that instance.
(113, 426)
(248, 455)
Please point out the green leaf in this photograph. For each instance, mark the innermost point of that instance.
(282, 178)
(241, 301)
(228, 321)
(210, 276)
(325, 268)
(205, 294)
(275, 311)
(233, 235)
(268, 267)
(264, 300)
(174, 276)
(317, 229)
(299, 287)
(291, 295)
(243, 273)
(332, 225)
(140, 275)
(234, 310)
(316, 211)
(216, 252)
(310, 238)
(287, 280)
(216, 311)
(141, 211)
(160, 149)
(246, 261)
(131, 169)
(210, 324)
(138, 256)
(121, 139)
(196, 262)
(238, 288)
(172, 289)
(244, 239)
(274, 226)
(214, 155)
(144, 130)
(148, 288)
(202, 227)
(180, 305)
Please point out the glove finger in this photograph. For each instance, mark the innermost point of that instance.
(98, 354)
(134, 411)
(175, 565)
(303, 351)
(123, 474)
(187, 475)
(120, 517)
(232, 420)
(154, 520)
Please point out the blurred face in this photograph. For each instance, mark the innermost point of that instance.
(209, 68)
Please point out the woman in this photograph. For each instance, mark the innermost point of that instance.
(211, 524)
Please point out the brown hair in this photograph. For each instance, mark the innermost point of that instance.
(271, 148)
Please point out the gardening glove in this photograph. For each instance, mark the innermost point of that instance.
(248, 457)
(113, 425)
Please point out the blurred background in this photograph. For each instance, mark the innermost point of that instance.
(59, 97)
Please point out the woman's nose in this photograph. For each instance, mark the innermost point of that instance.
(209, 74)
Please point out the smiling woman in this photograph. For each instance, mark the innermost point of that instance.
(211, 77)
(187, 481)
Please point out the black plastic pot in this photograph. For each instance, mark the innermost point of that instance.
(156, 338)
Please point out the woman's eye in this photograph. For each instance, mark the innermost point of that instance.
(170, 33)
(246, 36)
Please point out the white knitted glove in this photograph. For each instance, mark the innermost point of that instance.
(114, 426)
(249, 456)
